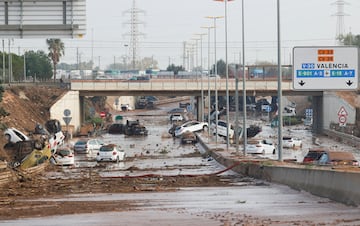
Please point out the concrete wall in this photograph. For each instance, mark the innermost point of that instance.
(69, 101)
(331, 106)
(338, 185)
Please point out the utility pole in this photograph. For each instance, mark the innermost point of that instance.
(3, 60)
(134, 32)
(77, 57)
(184, 54)
(340, 14)
(9, 68)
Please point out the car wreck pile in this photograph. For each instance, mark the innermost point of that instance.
(27, 151)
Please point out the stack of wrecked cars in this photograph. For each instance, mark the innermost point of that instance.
(27, 151)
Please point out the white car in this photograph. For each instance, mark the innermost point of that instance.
(222, 129)
(110, 152)
(56, 140)
(176, 117)
(191, 126)
(88, 145)
(64, 156)
(290, 142)
(126, 107)
(260, 147)
(13, 135)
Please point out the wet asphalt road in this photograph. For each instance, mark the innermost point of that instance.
(247, 202)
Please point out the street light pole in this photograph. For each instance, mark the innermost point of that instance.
(126, 56)
(227, 76)
(201, 76)
(244, 77)
(216, 73)
(24, 65)
(279, 84)
(197, 79)
(3, 59)
(209, 94)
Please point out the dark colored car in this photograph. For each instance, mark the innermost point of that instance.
(135, 128)
(151, 98)
(141, 103)
(337, 158)
(172, 129)
(116, 128)
(183, 105)
(177, 110)
(188, 138)
(314, 155)
(53, 126)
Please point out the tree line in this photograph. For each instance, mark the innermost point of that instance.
(42, 66)
(32, 64)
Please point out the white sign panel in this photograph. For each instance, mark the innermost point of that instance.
(325, 68)
(42, 18)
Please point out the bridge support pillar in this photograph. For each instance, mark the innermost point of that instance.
(199, 107)
(82, 109)
(318, 115)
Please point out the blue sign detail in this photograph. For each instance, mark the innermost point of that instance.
(342, 73)
(188, 108)
(308, 112)
(310, 73)
(308, 66)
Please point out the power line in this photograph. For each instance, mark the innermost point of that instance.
(134, 32)
(340, 14)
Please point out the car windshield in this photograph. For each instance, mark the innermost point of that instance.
(313, 154)
(80, 142)
(64, 152)
(106, 149)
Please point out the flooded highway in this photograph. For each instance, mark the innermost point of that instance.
(240, 201)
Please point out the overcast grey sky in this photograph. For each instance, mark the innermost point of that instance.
(168, 23)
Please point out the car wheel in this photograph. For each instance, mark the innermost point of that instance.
(205, 128)
(8, 137)
(274, 152)
(53, 160)
(14, 164)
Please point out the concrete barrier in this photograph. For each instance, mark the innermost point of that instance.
(338, 184)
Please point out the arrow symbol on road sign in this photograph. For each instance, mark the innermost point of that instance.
(301, 83)
(349, 83)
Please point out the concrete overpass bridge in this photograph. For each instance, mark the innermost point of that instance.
(183, 87)
(174, 87)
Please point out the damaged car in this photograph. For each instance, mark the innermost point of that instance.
(13, 135)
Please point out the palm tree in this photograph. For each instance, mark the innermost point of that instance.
(56, 51)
